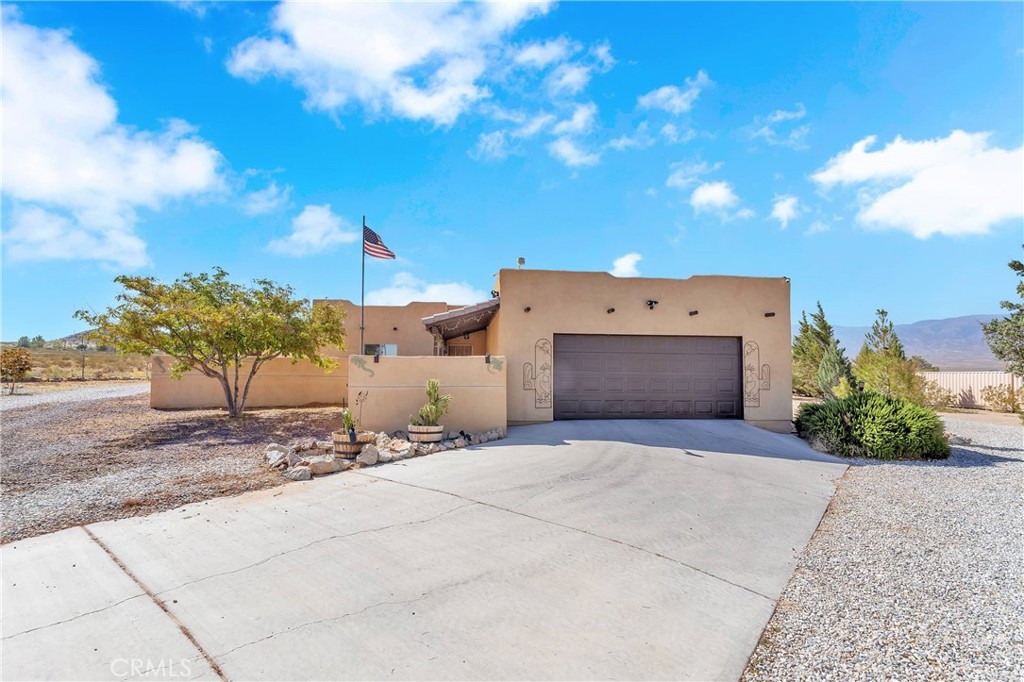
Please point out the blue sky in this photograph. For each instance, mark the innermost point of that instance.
(871, 153)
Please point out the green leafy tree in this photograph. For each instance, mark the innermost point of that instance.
(813, 338)
(1005, 335)
(883, 366)
(37, 342)
(211, 325)
(922, 365)
(833, 369)
(23, 342)
(15, 364)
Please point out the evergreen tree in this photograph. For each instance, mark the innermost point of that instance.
(883, 366)
(813, 338)
(1005, 335)
(832, 369)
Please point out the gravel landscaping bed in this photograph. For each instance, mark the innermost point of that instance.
(74, 461)
(916, 572)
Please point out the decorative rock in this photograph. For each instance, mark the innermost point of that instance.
(293, 459)
(385, 456)
(327, 465)
(298, 474)
(276, 447)
(452, 435)
(369, 455)
(382, 440)
(276, 458)
(432, 448)
(460, 442)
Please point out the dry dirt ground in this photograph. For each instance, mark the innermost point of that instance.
(64, 464)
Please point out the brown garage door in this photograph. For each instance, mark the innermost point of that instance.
(647, 377)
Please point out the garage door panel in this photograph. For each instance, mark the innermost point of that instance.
(633, 377)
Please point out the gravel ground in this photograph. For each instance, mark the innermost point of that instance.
(915, 573)
(30, 395)
(78, 460)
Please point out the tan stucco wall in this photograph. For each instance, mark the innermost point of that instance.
(577, 303)
(477, 341)
(395, 388)
(401, 325)
(278, 383)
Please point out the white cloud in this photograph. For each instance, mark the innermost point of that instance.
(766, 128)
(267, 200)
(568, 79)
(71, 170)
(491, 146)
(672, 134)
(954, 185)
(602, 56)
(651, 192)
(542, 55)
(405, 288)
(713, 196)
(672, 98)
(817, 227)
(533, 126)
(315, 230)
(785, 208)
(571, 154)
(686, 174)
(368, 53)
(640, 139)
(582, 121)
(625, 266)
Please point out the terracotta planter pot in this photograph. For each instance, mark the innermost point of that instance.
(343, 447)
(426, 434)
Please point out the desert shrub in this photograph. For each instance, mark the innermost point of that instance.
(844, 389)
(1003, 398)
(937, 397)
(875, 426)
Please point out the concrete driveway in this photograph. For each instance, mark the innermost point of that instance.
(570, 550)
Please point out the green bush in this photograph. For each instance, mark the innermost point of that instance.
(875, 426)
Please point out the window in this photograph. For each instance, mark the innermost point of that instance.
(460, 349)
(382, 348)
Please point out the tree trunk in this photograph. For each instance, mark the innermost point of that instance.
(248, 382)
(228, 396)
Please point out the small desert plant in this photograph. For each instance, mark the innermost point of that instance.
(430, 414)
(937, 397)
(348, 420)
(15, 364)
(873, 425)
(1003, 398)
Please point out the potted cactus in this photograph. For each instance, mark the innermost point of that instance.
(425, 426)
(347, 443)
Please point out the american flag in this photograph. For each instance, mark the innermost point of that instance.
(374, 245)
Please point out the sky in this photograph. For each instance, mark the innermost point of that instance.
(872, 153)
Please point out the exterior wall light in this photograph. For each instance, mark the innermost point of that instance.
(693, 312)
(650, 303)
(487, 358)
(494, 293)
(527, 309)
(769, 314)
(395, 328)
(611, 310)
(376, 357)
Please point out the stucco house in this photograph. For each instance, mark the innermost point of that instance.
(552, 345)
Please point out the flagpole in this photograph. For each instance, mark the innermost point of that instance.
(362, 296)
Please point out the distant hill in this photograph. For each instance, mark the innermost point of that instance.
(952, 343)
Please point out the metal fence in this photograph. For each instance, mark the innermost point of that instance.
(966, 387)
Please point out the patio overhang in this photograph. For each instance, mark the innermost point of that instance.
(461, 321)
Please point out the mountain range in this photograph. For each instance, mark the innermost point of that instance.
(952, 343)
